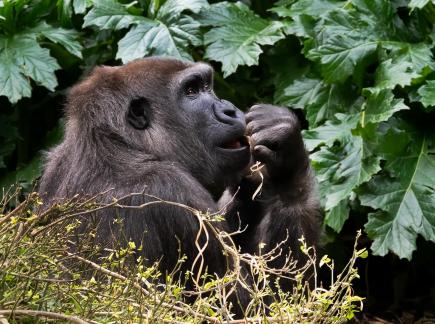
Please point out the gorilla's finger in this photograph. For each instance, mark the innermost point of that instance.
(263, 154)
(272, 137)
(256, 126)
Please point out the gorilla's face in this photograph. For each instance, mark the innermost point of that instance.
(219, 125)
(179, 118)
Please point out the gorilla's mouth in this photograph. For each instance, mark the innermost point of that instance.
(235, 143)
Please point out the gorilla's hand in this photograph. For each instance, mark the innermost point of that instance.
(275, 140)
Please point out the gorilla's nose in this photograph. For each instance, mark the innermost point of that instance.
(227, 113)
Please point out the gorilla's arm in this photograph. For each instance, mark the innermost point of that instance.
(286, 206)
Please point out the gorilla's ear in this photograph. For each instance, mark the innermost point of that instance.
(139, 113)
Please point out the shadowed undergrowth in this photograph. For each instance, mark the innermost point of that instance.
(44, 275)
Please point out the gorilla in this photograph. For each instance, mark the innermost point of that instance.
(155, 126)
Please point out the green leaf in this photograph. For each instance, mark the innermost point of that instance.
(64, 10)
(337, 216)
(340, 55)
(407, 62)
(313, 8)
(80, 6)
(13, 84)
(169, 35)
(320, 100)
(175, 7)
(301, 26)
(65, 37)
(237, 35)
(22, 56)
(109, 14)
(418, 3)
(342, 169)
(407, 199)
(345, 39)
(303, 92)
(331, 131)
(35, 62)
(427, 93)
(380, 106)
(390, 74)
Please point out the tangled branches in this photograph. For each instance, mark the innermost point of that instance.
(44, 275)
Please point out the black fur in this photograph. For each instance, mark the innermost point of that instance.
(155, 125)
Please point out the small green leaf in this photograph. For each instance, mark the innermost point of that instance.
(406, 63)
(418, 4)
(331, 131)
(175, 7)
(80, 6)
(303, 92)
(337, 216)
(390, 74)
(313, 8)
(427, 93)
(380, 106)
(237, 35)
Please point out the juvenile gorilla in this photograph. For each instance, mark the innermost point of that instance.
(156, 126)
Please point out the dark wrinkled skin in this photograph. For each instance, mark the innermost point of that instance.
(155, 125)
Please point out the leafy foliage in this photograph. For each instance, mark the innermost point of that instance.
(21, 56)
(42, 278)
(237, 35)
(384, 67)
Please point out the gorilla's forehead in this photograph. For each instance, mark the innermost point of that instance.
(164, 72)
(201, 70)
(163, 66)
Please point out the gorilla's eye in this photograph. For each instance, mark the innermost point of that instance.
(207, 87)
(192, 90)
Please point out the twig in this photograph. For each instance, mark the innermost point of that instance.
(51, 315)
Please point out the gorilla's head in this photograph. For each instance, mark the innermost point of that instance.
(161, 110)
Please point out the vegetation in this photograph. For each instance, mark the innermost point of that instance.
(44, 274)
(361, 71)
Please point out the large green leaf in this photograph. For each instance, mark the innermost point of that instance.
(65, 37)
(22, 57)
(406, 200)
(13, 83)
(335, 130)
(320, 100)
(346, 38)
(342, 169)
(237, 35)
(170, 34)
(109, 14)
